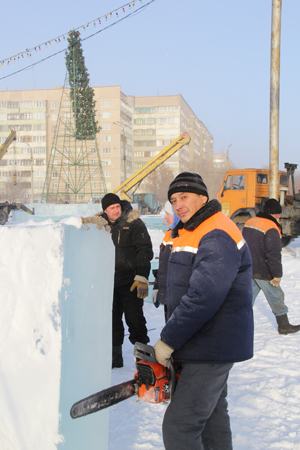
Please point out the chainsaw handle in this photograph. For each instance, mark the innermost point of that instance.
(173, 379)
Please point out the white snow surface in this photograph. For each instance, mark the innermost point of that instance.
(264, 393)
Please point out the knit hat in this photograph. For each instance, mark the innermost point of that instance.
(110, 199)
(272, 206)
(188, 182)
(168, 208)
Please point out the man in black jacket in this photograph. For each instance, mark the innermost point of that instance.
(132, 267)
(263, 236)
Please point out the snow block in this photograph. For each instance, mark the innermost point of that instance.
(55, 333)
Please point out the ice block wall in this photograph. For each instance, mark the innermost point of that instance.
(56, 289)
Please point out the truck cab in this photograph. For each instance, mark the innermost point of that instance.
(244, 190)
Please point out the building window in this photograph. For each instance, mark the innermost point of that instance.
(40, 115)
(25, 138)
(106, 126)
(67, 151)
(145, 121)
(54, 117)
(39, 150)
(145, 110)
(39, 138)
(106, 162)
(25, 104)
(94, 185)
(107, 173)
(13, 104)
(39, 104)
(40, 174)
(106, 138)
(93, 162)
(40, 162)
(54, 185)
(67, 104)
(53, 105)
(106, 150)
(13, 116)
(106, 115)
(106, 103)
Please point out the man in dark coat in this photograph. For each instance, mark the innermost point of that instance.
(132, 267)
(263, 235)
(210, 317)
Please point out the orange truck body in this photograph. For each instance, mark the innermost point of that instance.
(244, 189)
(244, 192)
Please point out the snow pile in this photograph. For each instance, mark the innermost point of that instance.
(55, 332)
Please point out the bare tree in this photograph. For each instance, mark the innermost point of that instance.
(213, 178)
(158, 182)
(13, 191)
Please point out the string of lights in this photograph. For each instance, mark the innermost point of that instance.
(100, 21)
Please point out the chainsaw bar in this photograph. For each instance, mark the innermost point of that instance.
(103, 399)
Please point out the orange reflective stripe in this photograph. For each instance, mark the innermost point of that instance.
(167, 238)
(262, 224)
(189, 240)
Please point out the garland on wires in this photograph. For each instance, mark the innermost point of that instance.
(100, 21)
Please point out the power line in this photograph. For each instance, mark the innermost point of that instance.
(83, 39)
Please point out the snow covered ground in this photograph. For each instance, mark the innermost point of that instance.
(264, 393)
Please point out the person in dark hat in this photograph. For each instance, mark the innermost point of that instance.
(132, 267)
(210, 316)
(263, 235)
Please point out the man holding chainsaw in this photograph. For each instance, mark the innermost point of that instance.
(132, 267)
(210, 317)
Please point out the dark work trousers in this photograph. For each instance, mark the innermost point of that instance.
(197, 416)
(127, 303)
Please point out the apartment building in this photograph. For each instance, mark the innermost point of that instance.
(157, 121)
(133, 130)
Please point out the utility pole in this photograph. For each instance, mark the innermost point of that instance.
(274, 98)
(124, 144)
(31, 160)
(227, 164)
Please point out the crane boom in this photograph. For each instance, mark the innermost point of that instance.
(151, 165)
(12, 136)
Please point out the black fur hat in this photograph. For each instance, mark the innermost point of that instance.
(272, 206)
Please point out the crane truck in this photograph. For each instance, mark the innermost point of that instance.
(7, 207)
(244, 192)
(145, 201)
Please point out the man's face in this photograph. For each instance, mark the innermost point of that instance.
(276, 216)
(186, 204)
(113, 212)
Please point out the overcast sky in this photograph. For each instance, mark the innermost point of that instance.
(215, 53)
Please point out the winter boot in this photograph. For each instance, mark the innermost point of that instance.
(117, 358)
(284, 326)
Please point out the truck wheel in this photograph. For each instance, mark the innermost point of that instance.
(3, 217)
(286, 240)
(240, 220)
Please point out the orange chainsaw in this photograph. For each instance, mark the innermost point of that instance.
(152, 383)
